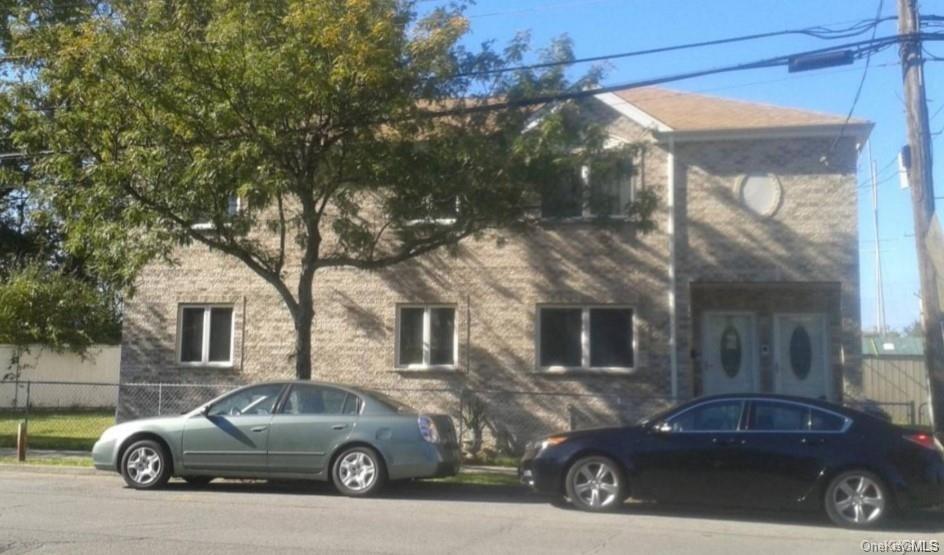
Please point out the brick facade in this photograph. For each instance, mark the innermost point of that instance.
(497, 282)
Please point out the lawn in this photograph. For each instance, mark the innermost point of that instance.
(60, 429)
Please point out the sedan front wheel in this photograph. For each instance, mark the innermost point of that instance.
(145, 465)
(595, 484)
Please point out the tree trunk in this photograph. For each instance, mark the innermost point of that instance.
(303, 319)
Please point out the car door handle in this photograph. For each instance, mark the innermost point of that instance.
(812, 441)
(339, 426)
(259, 429)
(728, 442)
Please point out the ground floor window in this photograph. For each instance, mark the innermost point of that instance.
(205, 335)
(587, 337)
(426, 336)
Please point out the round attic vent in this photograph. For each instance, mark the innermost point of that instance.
(761, 194)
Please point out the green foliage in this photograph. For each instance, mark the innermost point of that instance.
(319, 115)
(56, 310)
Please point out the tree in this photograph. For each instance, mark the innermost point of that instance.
(47, 294)
(316, 118)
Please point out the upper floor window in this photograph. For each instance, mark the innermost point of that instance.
(233, 207)
(597, 190)
(205, 335)
(585, 337)
(426, 336)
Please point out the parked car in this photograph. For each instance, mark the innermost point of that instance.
(765, 451)
(355, 438)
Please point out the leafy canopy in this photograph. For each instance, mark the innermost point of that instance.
(319, 116)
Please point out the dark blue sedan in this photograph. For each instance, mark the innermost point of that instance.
(748, 450)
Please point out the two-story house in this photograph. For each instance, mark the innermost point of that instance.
(749, 283)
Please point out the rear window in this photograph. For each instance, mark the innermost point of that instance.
(825, 421)
(390, 402)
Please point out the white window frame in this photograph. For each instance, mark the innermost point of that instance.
(205, 340)
(586, 213)
(585, 340)
(437, 221)
(425, 365)
(234, 207)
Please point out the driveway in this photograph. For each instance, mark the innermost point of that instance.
(80, 513)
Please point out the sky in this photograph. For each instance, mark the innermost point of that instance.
(600, 27)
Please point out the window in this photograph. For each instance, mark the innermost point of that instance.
(206, 335)
(821, 421)
(722, 416)
(601, 190)
(780, 417)
(761, 194)
(585, 337)
(426, 336)
(314, 399)
(234, 204)
(256, 400)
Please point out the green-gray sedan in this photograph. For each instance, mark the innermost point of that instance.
(353, 437)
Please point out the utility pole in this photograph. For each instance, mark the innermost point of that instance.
(922, 200)
(879, 287)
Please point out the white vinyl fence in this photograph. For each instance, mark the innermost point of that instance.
(101, 364)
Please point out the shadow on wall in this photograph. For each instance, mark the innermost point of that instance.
(586, 263)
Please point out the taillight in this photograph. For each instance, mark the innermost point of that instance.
(428, 429)
(928, 441)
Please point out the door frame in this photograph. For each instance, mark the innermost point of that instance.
(827, 353)
(755, 350)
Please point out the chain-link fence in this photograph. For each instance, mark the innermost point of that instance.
(490, 423)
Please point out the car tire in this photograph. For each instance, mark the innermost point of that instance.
(358, 472)
(857, 499)
(595, 484)
(198, 481)
(145, 464)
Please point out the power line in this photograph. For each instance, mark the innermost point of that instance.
(860, 47)
(865, 73)
(819, 32)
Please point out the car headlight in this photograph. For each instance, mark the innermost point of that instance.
(552, 441)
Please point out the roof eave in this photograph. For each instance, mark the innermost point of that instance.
(859, 130)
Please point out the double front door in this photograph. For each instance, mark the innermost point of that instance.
(269, 429)
(796, 353)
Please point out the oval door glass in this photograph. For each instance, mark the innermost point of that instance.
(731, 351)
(801, 352)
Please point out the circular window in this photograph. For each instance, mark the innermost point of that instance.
(760, 193)
(731, 351)
(801, 352)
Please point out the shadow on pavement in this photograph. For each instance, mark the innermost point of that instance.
(423, 490)
(924, 521)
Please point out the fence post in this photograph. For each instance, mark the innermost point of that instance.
(160, 397)
(21, 440)
(573, 416)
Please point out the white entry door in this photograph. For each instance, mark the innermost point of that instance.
(801, 355)
(729, 353)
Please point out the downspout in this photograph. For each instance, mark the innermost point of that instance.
(673, 320)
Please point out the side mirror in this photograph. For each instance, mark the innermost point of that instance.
(205, 410)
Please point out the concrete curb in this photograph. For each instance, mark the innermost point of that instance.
(49, 469)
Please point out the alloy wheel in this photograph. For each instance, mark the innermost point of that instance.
(858, 500)
(596, 484)
(144, 465)
(357, 471)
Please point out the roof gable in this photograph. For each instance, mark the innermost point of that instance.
(678, 112)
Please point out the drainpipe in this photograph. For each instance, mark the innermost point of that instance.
(673, 320)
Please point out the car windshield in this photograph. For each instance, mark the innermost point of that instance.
(390, 402)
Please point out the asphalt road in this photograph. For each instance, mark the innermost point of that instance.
(68, 513)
